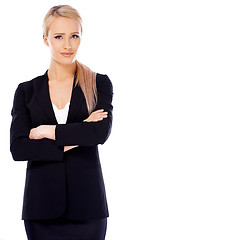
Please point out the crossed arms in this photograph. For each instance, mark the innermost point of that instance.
(49, 142)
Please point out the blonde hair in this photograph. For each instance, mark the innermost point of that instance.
(85, 77)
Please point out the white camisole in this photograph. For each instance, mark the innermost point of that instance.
(61, 114)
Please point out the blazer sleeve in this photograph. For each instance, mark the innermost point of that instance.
(89, 133)
(21, 146)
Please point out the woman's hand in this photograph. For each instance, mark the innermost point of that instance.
(46, 131)
(43, 131)
(66, 148)
(96, 116)
(93, 117)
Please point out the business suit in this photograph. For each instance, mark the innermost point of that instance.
(61, 183)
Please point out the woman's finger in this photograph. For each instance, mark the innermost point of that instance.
(99, 118)
(100, 110)
(104, 113)
(99, 114)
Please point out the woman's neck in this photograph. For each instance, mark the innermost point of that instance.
(61, 72)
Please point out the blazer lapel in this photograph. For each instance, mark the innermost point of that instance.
(77, 101)
(78, 106)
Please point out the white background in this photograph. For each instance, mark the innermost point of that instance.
(171, 165)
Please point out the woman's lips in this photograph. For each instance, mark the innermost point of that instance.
(67, 54)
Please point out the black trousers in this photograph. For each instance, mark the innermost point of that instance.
(66, 229)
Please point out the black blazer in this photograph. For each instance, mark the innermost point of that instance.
(58, 182)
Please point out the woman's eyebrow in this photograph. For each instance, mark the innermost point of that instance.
(64, 33)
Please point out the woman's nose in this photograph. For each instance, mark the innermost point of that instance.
(67, 44)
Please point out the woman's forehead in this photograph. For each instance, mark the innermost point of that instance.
(64, 25)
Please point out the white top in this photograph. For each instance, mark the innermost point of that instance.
(61, 114)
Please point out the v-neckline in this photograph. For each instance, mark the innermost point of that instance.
(61, 108)
(77, 106)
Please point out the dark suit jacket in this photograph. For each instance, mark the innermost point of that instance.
(60, 182)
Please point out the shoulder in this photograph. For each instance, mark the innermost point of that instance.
(31, 81)
(103, 82)
(28, 85)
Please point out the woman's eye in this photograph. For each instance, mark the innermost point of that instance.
(58, 37)
(75, 36)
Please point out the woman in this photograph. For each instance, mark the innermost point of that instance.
(58, 120)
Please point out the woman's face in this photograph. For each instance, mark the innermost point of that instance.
(63, 37)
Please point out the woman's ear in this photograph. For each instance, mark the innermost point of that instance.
(45, 39)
